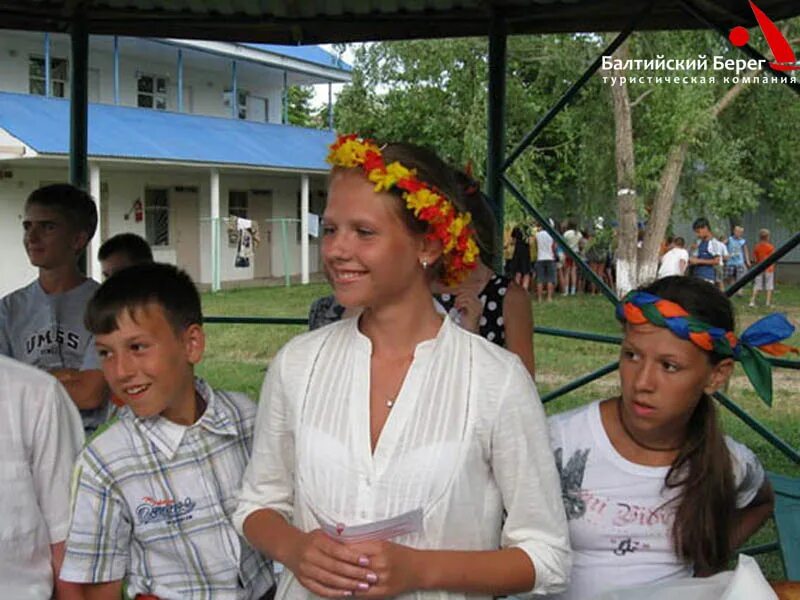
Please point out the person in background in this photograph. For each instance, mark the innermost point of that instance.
(708, 255)
(573, 238)
(121, 251)
(675, 259)
(719, 246)
(508, 249)
(596, 250)
(520, 267)
(766, 280)
(652, 488)
(41, 324)
(40, 435)
(401, 414)
(738, 256)
(545, 264)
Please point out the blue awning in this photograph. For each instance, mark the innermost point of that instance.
(124, 132)
(310, 54)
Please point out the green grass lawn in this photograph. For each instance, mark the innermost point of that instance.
(238, 355)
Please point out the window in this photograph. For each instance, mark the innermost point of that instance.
(156, 217)
(151, 91)
(241, 105)
(59, 76)
(237, 204)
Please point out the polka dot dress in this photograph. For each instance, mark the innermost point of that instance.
(490, 325)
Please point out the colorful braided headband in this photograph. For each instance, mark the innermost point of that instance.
(459, 250)
(765, 334)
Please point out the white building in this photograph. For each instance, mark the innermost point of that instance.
(170, 157)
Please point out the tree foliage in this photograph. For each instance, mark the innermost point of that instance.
(299, 107)
(434, 93)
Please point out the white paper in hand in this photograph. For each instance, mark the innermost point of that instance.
(410, 522)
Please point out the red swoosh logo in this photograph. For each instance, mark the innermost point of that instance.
(785, 59)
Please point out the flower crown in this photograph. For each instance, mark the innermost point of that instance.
(459, 250)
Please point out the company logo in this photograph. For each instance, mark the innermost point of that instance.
(170, 511)
(785, 59)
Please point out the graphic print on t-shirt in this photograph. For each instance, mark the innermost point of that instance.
(572, 481)
(46, 345)
(629, 520)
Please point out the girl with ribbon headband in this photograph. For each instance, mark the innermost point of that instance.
(652, 487)
(426, 441)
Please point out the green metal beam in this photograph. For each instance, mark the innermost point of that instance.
(758, 427)
(568, 95)
(787, 247)
(498, 37)
(580, 382)
(79, 103)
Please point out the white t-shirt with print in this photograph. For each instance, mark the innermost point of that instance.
(671, 262)
(619, 528)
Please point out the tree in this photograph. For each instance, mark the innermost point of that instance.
(683, 125)
(299, 105)
(720, 147)
(434, 93)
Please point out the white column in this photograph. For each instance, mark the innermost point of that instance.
(215, 231)
(93, 263)
(304, 229)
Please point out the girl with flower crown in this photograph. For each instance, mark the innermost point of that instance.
(652, 488)
(401, 414)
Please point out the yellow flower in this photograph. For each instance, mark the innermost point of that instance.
(472, 252)
(421, 199)
(350, 154)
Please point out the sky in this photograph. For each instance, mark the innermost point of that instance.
(321, 91)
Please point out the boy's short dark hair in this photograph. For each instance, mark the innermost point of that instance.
(73, 203)
(131, 245)
(136, 287)
(700, 223)
(679, 242)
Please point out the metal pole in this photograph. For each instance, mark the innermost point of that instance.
(758, 427)
(47, 74)
(79, 107)
(330, 105)
(304, 210)
(569, 95)
(216, 283)
(180, 80)
(257, 320)
(581, 381)
(285, 246)
(94, 270)
(496, 128)
(285, 107)
(234, 92)
(116, 70)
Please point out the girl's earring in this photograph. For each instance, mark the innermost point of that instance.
(424, 264)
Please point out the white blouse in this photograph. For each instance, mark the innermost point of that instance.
(466, 439)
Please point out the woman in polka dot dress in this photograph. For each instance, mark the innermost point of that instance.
(495, 308)
(486, 303)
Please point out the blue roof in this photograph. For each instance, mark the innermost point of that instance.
(310, 54)
(147, 134)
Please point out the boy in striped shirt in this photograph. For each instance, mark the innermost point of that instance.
(156, 489)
